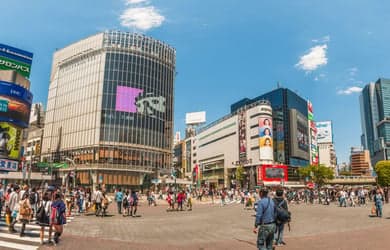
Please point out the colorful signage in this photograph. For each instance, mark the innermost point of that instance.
(15, 59)
(272, 173)
(10, 138)
(8, 165)
(266, 138)
(324, 130)
(314, 154)
(242, 136)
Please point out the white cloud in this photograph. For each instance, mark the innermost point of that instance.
(349, 90)
(352, 71)
(129, 2)
(141, 18)
(314, 59)
(324, 39)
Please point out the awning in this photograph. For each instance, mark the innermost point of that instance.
(178, 181)
(52, 165)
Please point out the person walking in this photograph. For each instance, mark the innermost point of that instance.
(25, 212)
(378, 199)
(34, 199)
(43, 216)
(105, 202)
(133, 203)
(57, 216)
(119, 200)
(265, 221)
(2, 198)
(281, 203)
(125, 204)
(98, 201)
(13, 205)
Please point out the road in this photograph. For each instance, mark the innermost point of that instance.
(229, 227)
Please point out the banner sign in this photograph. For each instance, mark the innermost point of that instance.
(15, 59)
(8, 165)
(10, 138)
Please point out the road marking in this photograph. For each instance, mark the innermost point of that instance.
(17, 237)
(17, 246)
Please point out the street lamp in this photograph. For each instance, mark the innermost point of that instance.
(75, 170)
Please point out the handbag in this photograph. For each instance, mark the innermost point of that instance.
(373, 210)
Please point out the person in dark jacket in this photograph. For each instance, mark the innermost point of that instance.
(282, 203)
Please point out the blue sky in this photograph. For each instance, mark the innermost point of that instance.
(229, 49)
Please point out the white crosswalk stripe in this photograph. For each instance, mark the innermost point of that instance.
(31, 240)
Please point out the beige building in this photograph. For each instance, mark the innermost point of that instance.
(110, 109)
(327, 155)
(360, 162)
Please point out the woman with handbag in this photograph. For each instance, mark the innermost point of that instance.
(43, 216)
(57, 216)
(25, 212)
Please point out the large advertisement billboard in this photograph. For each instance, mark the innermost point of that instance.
(10, 138)
(324, 132)
(15, 59)
(299, 133)
(266, 138)
(15, 104)
(242, 136)
(272, 173)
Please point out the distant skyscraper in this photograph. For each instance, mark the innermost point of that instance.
(375, 119)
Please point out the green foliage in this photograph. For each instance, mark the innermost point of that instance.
(382, 168)
(319, 174)
(345, 173)
(240, 173)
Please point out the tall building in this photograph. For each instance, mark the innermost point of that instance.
(110, 109)
(360, 162)
(290, 125)
(375, 119)
(242, 138)
(327, 153)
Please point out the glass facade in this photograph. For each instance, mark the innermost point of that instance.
(282, 101)
(110, 103)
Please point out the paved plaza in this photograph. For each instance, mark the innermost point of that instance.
(214, 227)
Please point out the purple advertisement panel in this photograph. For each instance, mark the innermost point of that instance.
(126, 99)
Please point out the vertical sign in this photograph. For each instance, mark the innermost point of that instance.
(312, 134)
(242, 136)
(266, 134)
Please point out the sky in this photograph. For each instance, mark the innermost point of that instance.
(325, 51)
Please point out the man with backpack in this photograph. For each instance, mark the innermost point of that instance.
(282, 216)
(265, 220)
(33, 197)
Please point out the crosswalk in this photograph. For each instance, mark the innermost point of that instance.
(31, 240)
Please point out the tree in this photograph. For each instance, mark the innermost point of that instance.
(240, 174)
(382, 169)
(345, 173)
(319, 174)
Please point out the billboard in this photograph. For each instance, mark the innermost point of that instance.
(268, 172)
(299, 135)
(314, 154)
(8, 165)
(195, 117)
(324, 132)
(242, 136)
(15, 104)
(10, 138)
(134, 100)
(15, 59)
(266, 138)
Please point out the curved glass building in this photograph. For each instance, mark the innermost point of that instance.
(110, 109)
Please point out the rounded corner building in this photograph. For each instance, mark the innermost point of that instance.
(110, 109)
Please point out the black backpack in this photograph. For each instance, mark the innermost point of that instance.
(41, 214)
(282, 215)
